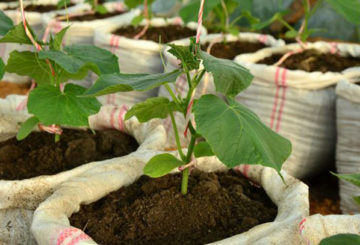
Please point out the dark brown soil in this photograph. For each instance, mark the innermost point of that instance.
(96, 16)
(42, 8)
(153, 211)
(7, 1)
(324, 194)
(311, 60)
(229, 50)
(168, 33)
(7, 88)
(38, 154)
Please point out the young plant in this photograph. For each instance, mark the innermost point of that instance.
(95, 6)
(217, 15)
(231, 131)
(146, 14)
(54, 103)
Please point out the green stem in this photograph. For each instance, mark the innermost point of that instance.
(177, 138)
(185, 173)
(57, 138)
(172, 95)
(282, 21)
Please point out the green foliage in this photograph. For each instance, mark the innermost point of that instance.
(203, 149)
(237, 136)
(99, 8)
(351, 178)
(189, 11)
(27, 63)
(349, 9)
(230, 78)
(112, 83)
(63, 3)
(77, 57)
(341, 239)
(5, 23)
(52, 66)
(157, 107)
(161, 165)
(56, 42)
(232, 132)
(186, 55)
(27, 127)
(51, 106)
(16, 35)
(2, 68)
(136, 3)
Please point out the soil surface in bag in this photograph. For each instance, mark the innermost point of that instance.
(7, 88)
(229, 50)
(43, 8)
(324, 194)
(167, 33)
(153, 211)
(311, 60)
(38, 154)
(94, 16)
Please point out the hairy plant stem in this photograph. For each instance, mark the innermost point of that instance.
(57, 138)
(185, 173)
(177, 138)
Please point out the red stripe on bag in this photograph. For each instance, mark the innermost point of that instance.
(122, 112)
(262, 38)
(283, 99)
(81, 237)
(112, 49)
(276, 97)
(65, 234)
(112, 117)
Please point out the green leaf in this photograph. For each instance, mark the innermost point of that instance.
(51, 106)
(357, 199)
(63, 3)
(101, 9)
(351, 178)
(16, 35)
(203, 149)
(135, 3)
(291, 34)
(230, 78)
(28, 64)
(111, 83)
(185, 54)
(77, 57)
(189, 11)
(58, 39)
(341, 239)
(5, 23)
(237, 136)
(2, 68)
(106, 61)
(157, 107)
(161, 165)
(349, 9)
(26, 128)
(137, 20)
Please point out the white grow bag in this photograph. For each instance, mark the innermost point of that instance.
(82, 32)
(317, 227)
(298, 105)
(135, 56)
(348, 142)
(207, 84)
(51, 225)
(19, 198)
